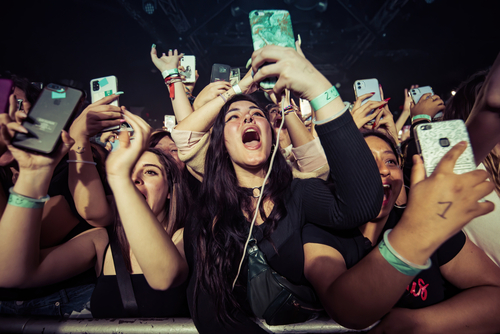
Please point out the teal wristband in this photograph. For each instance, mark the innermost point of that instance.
(323, 99)
(167, 73)
(397, 261)
(422, 116)
(26, 202)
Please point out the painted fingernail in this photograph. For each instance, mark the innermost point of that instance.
(300, 40)
(163, 54)
(169, 50)
(249, 62)
(387, 99)
(153, 46)
(119, 93)
(252, 74)
(122, 121)
(380, 107)
(372, 93)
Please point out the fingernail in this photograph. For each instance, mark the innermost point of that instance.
(300, 40)
(462, 143)
(122, 121)
(119, 93)
(163, 54)
(153, 46)
(252, 74)
(372, 93)
(380, 107)
(23, 130)
(374, 125)
(387, 99)
(249, 62)
(169, 50)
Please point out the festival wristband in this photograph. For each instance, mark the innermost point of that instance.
(422, 116)
(237, 89)
(324, 98)
(167, 73)
(397, 261)
(21, 201)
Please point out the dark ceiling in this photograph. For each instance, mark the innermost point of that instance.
(400, 42)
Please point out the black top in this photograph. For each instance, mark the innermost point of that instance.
(426, 289)
(355, 199)
(106, 300)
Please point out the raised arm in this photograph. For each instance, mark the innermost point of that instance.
(483, 123)
(161, 261)
(22, 263)
(84, 181)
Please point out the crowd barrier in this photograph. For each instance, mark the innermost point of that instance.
(147, 326)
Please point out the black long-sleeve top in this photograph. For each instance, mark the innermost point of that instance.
(354, 199)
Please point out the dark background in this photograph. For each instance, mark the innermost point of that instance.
(400, 42)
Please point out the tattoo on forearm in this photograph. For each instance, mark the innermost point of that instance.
(80, 149)
(448, 204)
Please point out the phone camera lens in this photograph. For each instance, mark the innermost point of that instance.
(444, 142)
(95, 85)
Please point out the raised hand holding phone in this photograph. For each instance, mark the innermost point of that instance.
(362, 112)
(120, 163)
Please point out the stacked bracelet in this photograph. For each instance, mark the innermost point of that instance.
(397, 260)
(170, 80)
(288, 109)
(324, 98)
(21, 201)
(422, 116)
(346, 107)
(168, 73)
(223, 98)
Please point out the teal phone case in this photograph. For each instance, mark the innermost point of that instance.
(271, 27)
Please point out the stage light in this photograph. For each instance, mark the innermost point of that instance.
(453, 92)
(149, 6)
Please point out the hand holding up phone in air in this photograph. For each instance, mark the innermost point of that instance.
(96, 117)
(427, 105)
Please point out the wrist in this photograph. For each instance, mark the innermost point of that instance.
(34, 184)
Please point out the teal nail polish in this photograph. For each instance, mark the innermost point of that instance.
(118, 93)
(153, 46)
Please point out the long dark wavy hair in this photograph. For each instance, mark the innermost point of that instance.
(223, 228)
(176, 207)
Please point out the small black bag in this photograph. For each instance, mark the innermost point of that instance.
(274, 298)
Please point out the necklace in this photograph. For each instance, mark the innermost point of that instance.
(254, 192)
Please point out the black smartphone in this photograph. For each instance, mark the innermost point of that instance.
(5, 91)
(53, 112)
(220, 72)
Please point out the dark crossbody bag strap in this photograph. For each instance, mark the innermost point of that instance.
(123, 278)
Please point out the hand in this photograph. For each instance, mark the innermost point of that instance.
(428, 105)
(120, 163)
(32, 161)
(210, 92)
(295, 72)
(385, 123)
(96, 117)
(408, 104)
(361, 113)
(398, 320)
(247, 84)
(166, 62)
(440, 205)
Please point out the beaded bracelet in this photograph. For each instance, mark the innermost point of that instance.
(422, 116)
(397, 260)
(288, 109)
(324, 98)
(21, 201)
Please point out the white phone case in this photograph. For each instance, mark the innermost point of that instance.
(102, 87)
(434, 140)
(189, 64)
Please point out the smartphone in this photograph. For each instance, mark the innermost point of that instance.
(189, 64)
(305, 109)
(102, 87)
(416, 94)
(434, 140)
(271, 27)
(220, 72)
(53, 112)
(169, 122)
(5, 91)
(235, 76)
(366, 86)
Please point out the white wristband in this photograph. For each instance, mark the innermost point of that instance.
(237, 89)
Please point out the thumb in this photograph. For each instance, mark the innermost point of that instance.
(417, 171)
